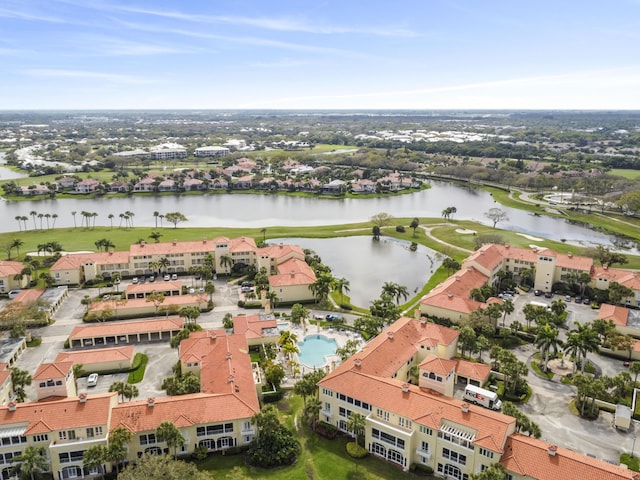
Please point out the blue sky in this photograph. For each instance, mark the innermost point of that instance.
(333, 54)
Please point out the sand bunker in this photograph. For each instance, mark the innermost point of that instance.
(464, 231)
(530, 237)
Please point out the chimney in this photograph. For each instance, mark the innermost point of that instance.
(175, 242)
(82, 397)
(464, 407)
(423, 321)
(390, 335)
(357, 362)
(229, 356)
(570, 255)
(405, 388)
(213, 335)
(110, 252)
(204, 240)
(605, 267)
(552, 450)
(151, 402)
(293, 274)
(449, 294)
(230, 379)
(12, 406)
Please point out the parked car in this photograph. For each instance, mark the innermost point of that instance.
(174, 277)
(567, 298)
(167, 277)
(586, 301)
(246, 289)
(106, 297)
(197, 276)
(152, 279)
(134, 280)
(578, 299)
(332, 317)
(548, 295)
(246, 284)
(92, 380)
(537, 293)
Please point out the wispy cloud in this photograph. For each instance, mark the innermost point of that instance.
(81, 74)
(29, 16)
(108, 46)
(284, 63)
(282, 24)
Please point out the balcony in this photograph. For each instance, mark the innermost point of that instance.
(423, 453)
(325, 412)
(245, 432)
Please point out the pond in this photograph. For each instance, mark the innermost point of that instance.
(368, 263)
(249, 210)
(7, 173)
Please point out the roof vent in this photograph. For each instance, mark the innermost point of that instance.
(13, 406)
(552, 450)
(449, 294)
(142, 243)
(151, 402)
(229, 356)
(390, 335)
(605, 266)
(204, 240)
(423, 320)
(82, 397)
(464, 407)
(175, 242)
(230, 379)
(357, 362)
(569, 254)
(405, 388)
(237, 389)
(213, 335)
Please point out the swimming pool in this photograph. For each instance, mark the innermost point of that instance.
(282, 326)
(314, 349)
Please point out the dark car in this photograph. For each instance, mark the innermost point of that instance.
(548, 295)
(578, 300)
(537, 293)
(586, 301)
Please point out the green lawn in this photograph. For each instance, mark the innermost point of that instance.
(320, 459)
(626, 173)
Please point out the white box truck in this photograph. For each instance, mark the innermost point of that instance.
(622, 419)
(480, 396)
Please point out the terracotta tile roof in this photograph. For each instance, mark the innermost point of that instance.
(281, 250)
(73, 261)
(9, 268)
(474, 370)
(618, 315)
(242, 244)
(198, 408)
(52, 415)
(168, 248)
(227, 370)
(199, 344)
(491, 428)
(99, 355)
(488, 256)
(253, 326)
(461, 283)
(293, 272)
(439, 365)
(179, 300)
(623, 277)
(28, 295)
(569, 261)
(53, 370)
(385, 354)
(530, 457)
(126, 328)
(150, 287)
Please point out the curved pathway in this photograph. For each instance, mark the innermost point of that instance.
(427, 232)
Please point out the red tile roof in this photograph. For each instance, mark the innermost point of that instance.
(9, 269)
(618, 315)
(474, 370)
(151, 287)
(530, 457)
(439, 365)
(253, 326)
(179, 300)
(99, 355)
(53, 370)
(293, 272)
(126, 328)
(52, 415)
(28, 296)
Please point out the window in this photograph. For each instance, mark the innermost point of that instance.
(454, 456)
(43, 437)
(383, 414)
(405, 423)
(214, 429)
(486, 453)
(67, 435)
(94, 432)
(6, 458)
(67, 457)
(148, 439)
(426, 430)
(16, 440)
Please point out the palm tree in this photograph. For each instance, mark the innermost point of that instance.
(547, 339)
(41, 216)
(24, 219)
(31, 461)
(156, 214)
(264, 235)
(34, 214)
(47, 216)
(15, 243)
(163, 263)
(130, 391)
(272, 296)
(18, 218)
(167, 432)
(312, 410)
(226, 262)
(356, 424)
(119, 437)
(118, 387)
(73, 212)
(54, 217)
(110, 217)
(507, 309)
(341, 285)
(130, 216)
(155, 236)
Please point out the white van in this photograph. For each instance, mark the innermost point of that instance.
(480, 396)
(14, 293)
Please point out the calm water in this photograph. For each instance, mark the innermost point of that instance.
(367, 264)
(246, 210)
(7, 173)
(314, 348)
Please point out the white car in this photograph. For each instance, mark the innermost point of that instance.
(92, 380)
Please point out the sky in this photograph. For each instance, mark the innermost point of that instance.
(319, 54)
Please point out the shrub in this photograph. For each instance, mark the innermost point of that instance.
(200, 453)
(356, 451)
(327, 430)
(419, 469)
(400, 229)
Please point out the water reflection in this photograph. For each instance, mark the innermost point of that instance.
(368, 263)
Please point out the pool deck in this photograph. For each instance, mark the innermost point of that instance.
(341, 338)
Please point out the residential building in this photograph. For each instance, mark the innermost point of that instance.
(211, 151)
(167, 151)
(11, 277)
